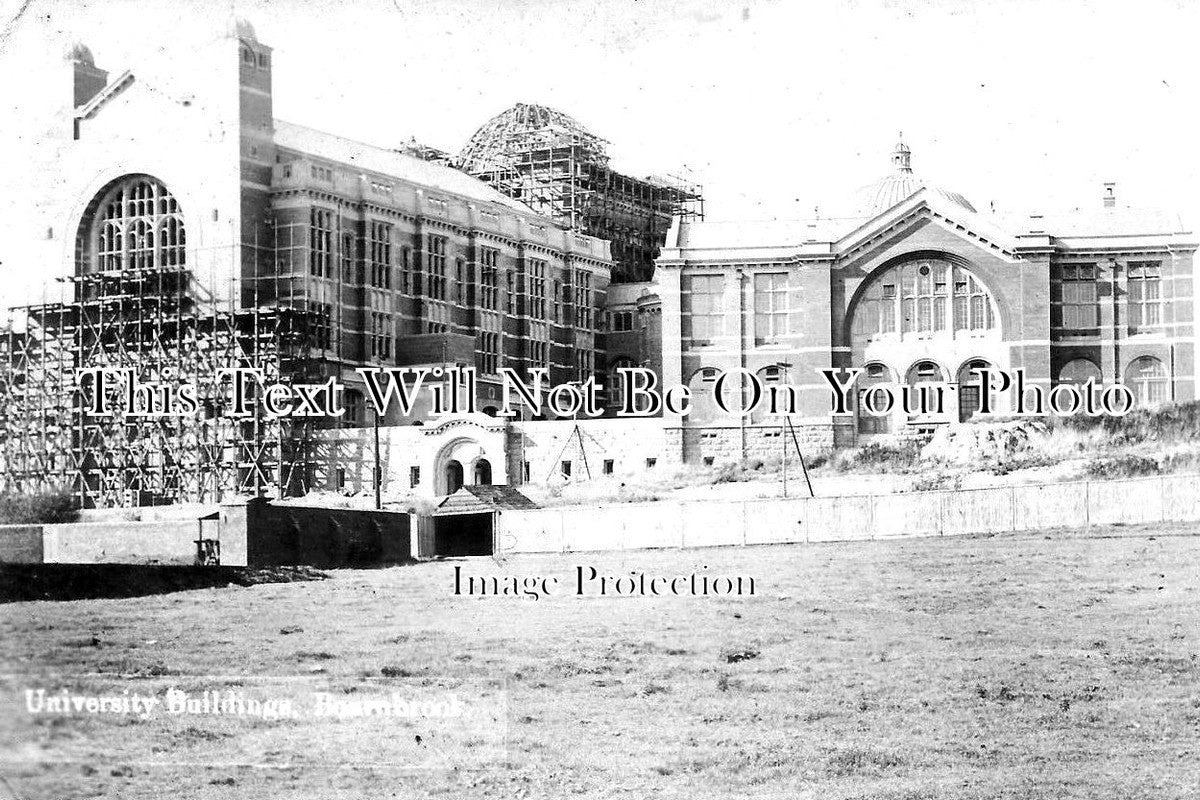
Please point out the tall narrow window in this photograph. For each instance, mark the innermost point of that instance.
(702, 302)
(583, 299)
(1074, 298)
(381, 255)
(1145, 296)
(488, 278)
(770, 307)
(536, 288)
(320, 243)
(435, 256)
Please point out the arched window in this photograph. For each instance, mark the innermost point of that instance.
(703, 386)
(772, 376)
(924, 372)
(922, 298)
(969, 388)
(1147, 378)
(134, 223)
(1078, 371)
(483, 472)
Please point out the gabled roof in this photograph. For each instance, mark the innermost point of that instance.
(484, 500)
(390, 163)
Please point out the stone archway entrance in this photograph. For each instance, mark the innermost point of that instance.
(461, 462)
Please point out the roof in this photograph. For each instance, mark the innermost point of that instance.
(484, 500)
(527, 127)
(390, 163)
(757, 239)
(875, 198)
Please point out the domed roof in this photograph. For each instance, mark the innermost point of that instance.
(80, 52)
(523, 128)
(875, 198)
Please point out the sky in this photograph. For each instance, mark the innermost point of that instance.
(777, 108)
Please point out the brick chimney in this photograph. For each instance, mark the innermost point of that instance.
(1110, 194)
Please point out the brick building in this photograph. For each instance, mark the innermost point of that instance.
(914, 284)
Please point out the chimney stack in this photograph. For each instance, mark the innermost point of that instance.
(1110, 194)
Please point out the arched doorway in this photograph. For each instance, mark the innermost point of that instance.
(924, 371)
(454, 476)
(483, 472)
(969, 388)
(873, 376)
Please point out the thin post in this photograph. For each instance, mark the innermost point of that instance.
(783, 441)
(803, 466)
(378, 469)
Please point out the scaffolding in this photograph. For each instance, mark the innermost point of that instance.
(160, 325)
(548, 161)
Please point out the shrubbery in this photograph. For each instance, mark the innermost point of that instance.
(33, 509)
(1125, 466)
(878, 457)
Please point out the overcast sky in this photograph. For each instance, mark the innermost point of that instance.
(775, 107)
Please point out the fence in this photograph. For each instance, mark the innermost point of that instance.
(632, 526)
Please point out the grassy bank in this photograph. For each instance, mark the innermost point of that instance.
(1056, 666)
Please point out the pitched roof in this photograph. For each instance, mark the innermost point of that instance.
(391, 163)
(484, 499)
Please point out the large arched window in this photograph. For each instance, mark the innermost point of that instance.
(921, 298)
(134, 223)
(1147, 378)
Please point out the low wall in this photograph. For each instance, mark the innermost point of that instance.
(630, 526)
(161, 542)
(20, 544)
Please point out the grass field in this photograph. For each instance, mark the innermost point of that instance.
(1047, 666)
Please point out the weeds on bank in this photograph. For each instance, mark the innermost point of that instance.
(36, 509)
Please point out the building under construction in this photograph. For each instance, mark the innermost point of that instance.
(548, 161)
(182, 235)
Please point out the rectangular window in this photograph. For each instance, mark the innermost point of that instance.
(1074, 297)
(323, 326)
(347, 255)
(381, 336)
(1144, 296)
(414, 477)
(650, 462)
(702, 301)
(583, 299)
(406, 269)
(622, 321)
(489, 258)
(565, 469)
(770, 307)
(460, 268)
(536, 289)
(435, 255)
(489, 353)
(608, 466)
(584, 364)
(381, 255)
(320, 243)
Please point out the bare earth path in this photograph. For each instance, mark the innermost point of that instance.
(1057, 666)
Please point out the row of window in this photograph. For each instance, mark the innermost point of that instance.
(379, 272)
(1075, 297)
(702, 303)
